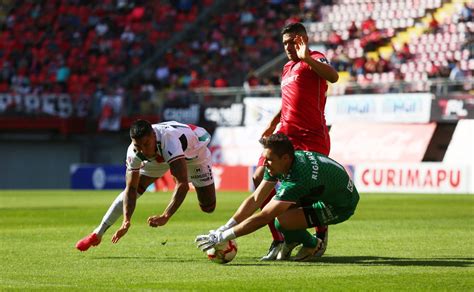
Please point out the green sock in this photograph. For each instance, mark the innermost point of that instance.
(300, 236)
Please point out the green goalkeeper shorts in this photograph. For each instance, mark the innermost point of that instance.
(321, 213)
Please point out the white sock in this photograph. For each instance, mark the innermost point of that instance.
(112, 215)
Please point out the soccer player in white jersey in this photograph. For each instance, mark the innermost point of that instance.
(154, 149)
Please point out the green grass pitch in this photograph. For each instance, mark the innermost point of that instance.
(393, 242)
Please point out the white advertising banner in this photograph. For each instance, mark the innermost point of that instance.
(260, 110)
(461, 147)
(353, 143)
(236, 145)
(426, 177)
(387, 108)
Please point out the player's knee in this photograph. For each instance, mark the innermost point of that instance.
(208, 208)
(141, 189)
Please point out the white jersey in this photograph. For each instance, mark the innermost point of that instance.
(174, 141)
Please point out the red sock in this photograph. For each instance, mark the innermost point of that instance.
(275, 233)
(321, 229)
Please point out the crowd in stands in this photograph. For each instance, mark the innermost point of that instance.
(86, 48)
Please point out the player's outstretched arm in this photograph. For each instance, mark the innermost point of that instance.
(254, 201)
(272, 126)
(179, 171)
(322, 68)
(256, 221)
(129, 202)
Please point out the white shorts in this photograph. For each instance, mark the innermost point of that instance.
(199, 169)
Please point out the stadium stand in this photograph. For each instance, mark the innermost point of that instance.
(157, 53)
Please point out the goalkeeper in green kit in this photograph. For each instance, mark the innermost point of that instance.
(315, 190)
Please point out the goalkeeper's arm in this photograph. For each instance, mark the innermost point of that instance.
(250, 204)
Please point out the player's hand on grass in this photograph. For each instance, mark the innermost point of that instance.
(121, 231)
(158, 220)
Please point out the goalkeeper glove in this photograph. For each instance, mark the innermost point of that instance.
(231, 223)
(207, 241)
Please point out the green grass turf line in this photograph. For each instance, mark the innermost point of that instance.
(411, 242)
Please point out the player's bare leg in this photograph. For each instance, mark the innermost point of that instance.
(277, 242)
(207, 198)
(111, 216)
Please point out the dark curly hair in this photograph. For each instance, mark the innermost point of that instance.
(279, 144)
(296, 27)
(140, 129)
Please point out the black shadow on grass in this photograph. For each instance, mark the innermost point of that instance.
(180, 260)
(392, 261)
(153, 259)
(355, 260)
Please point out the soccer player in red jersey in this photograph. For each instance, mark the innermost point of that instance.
(301, 117)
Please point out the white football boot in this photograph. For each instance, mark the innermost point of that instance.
(306, 254)
(273, 251)
(286, 250)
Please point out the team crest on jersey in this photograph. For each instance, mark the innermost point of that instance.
(350, 185)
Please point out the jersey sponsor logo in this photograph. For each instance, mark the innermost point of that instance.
(203, 177)
(327, 213)
(289, 80)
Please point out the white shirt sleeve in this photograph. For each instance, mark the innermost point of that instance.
(133, 162)
(171, 146)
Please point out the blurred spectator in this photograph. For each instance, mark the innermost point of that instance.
(358, 67)
(340, 61)
(383, 65)
(406, 53)
(433, 26)
(367, 26)
(457, 75)
(220, 82)
(434, 71)
(335, 40)
(370, 66)
(466, 13)
(353, 31)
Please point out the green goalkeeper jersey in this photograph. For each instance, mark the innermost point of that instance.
(315, 177)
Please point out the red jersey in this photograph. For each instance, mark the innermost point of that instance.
(302, 109)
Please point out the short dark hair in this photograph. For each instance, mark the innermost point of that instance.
(140, 129)
(279, 144)
(295, 27)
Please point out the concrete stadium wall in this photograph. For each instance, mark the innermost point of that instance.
(44, 163)
(33, 164)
